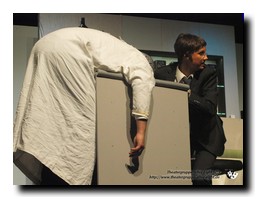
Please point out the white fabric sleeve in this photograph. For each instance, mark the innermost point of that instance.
(115, 55)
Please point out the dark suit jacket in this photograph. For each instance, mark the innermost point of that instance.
(206, 127)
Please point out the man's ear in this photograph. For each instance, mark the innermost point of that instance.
(186, 56)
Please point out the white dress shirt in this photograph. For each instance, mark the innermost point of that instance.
(180, 75)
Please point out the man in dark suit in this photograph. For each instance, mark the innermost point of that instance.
(206, 131)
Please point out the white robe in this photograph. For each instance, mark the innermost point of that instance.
(56, 114)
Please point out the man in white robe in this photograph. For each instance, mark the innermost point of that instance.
(56, 114)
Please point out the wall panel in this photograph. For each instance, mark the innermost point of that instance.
(166, 158)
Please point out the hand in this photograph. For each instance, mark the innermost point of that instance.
(139, 141)
(189, 92)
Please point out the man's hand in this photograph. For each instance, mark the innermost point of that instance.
(139, 139)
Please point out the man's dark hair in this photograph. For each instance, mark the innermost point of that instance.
(187, 44)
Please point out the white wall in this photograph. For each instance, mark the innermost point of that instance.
(109, 23)
(240, 70)
(160, 34)
(24, 38)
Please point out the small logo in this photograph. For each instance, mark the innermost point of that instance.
(231, 174)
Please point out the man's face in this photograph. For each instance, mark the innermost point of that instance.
(198, 59)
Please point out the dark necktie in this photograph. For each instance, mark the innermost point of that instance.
(186, 80)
